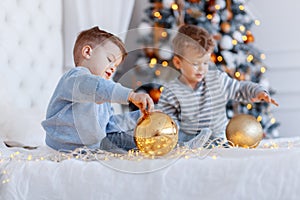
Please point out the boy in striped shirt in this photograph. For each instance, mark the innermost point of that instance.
(197, 99)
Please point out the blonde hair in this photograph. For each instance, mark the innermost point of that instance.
(191, 36)
(94, 37)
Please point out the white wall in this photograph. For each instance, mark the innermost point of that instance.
(278, 36)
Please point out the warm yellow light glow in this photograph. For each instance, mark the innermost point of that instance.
(273, 120)
(262, 56)
(219, 58)
(244, 37)
(164, 34)
(153, 61)
(262, 69)
(242, 28)
(234, 42)
(237, 74)
(249, 106)
(174, 6)
(209, 16)
(157, 14)
(241, 7)
(164, 63)
(29, 157)
(157, 72)
(257, 22)
(151, 65)
(250, 58)
(217, 7)
(161, 89)
(259, 118)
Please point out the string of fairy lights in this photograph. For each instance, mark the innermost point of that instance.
(88, 155)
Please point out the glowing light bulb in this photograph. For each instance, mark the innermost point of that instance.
(257, 22)
(153, 61)
(164, 34)
(218, 7)
(220, 58)
(151, 65)
(249, 106)
(250, 58)
(157, 72)
(234, 42)
(161, 89)
(273, 120)
(174, 6)
(164, 63)
(157, 14)
(237, 74)
(262, 69)
(209, 16)
(262, 56)
(242, 28)
(259, 118)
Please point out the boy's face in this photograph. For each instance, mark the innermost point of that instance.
(193, 66)
(103, 59)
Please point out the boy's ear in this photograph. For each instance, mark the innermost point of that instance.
(86, 51)
(176, 62)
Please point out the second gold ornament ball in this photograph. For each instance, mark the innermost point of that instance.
(244, 131)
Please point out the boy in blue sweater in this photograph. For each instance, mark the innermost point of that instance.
(79, 113)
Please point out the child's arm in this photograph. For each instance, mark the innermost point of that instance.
(142, 101)
(244, 90)
(81, 86)
(264, 96)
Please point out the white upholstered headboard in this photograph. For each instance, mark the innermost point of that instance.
(31, 59)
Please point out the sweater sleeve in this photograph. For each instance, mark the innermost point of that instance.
(83, 87)
(242, 91)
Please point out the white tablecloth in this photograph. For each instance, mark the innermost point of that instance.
(271, 171)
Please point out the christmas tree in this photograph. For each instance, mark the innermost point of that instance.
(229, 21)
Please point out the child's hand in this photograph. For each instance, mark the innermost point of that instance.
(263, 96)
(143, 101)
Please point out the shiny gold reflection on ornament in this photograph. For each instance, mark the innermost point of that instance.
(244, 131)
(156, 134)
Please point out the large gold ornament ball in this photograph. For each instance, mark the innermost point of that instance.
(156, 134)
(244, 131)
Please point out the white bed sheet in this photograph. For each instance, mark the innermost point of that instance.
(271, 171)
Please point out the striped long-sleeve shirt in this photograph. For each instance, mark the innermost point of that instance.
(205, 106)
